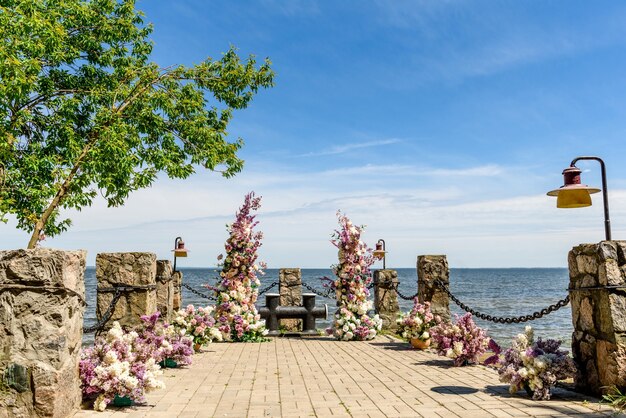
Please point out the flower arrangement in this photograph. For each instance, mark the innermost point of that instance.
(237, 290)
(161, 341)
(111, 367)
(462, 341)
(417, 322)
(533, 365)
(197, 324)
(351, 321)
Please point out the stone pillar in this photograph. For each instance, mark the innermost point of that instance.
(429, 269)
(177, 283)
(290, 289)
(598, 298)
(126, 269)
(165, 289)
(386, 297)
(42, 294)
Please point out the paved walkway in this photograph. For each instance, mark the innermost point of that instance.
(322, 377)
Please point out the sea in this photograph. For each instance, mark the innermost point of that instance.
(493, 291)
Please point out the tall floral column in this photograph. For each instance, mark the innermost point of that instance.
(237, 290)
(351, 321)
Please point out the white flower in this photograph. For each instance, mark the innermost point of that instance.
(349, 335)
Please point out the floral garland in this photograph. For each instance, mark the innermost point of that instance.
(417, 322)
(161, 341)
(237, 291)
(464, 341)
(533, 365)
(197, 324)
(351, 321)
(112, 367)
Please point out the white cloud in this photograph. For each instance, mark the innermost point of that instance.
(474, 228)
(341, 149)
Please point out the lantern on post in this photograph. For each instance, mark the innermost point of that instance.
(380, 253)
(573, 194)
(179, 250)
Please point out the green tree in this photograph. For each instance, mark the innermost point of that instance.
(83, 109)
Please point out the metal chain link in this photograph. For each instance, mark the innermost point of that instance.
(274, 284)
(195, 292)
(499, 319)
(107, 314)
(325, 294)
(404, 296)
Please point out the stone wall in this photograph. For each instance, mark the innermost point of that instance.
(429, 269)
(386, 297)
(165, 289)
(597, 271)
(126, 269)
(42, 294)
(290, 289)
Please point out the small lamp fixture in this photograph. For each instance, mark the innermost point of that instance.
(179, 250)
(380, 253)
(573, 194)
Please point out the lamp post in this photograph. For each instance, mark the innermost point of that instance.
(380, 253)
(179, 250)
(573, 194)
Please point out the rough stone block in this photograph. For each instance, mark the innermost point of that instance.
(607, 250)
(617, 305)
(573, 265)
(587, 264)
(429, 269)
(41, 323)
(290, 290)
(126, 269)
(177, 281)
(386, 297)
(599, 315)
(165, 289)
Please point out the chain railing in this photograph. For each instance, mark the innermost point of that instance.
(405, 297)
(195, 292)
(107, 314)
(325, 294)
(267, 288)
(506, 319)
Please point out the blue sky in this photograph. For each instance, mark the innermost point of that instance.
(438, 124)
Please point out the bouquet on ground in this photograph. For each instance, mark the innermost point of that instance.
(533, 365)
(462, 341)
(237, 290)
(197, 324)
(163, 342)
(111, 367)
(417, 322)
(351, 321)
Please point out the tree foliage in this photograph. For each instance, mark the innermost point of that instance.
(83, 109)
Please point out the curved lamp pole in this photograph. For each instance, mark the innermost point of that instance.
(573, 194)
(380, 253)
(179, 250)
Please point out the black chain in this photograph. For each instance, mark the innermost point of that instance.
(325, 294)
(274, 284)
(195, 292)
(508, 319)
(106, 316)
(404, 296)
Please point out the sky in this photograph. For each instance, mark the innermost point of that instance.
(440, 125)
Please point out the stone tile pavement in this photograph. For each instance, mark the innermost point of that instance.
(309, 377)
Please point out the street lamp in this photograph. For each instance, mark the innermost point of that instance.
(379, 253)
(573, 194)
(179, 250)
